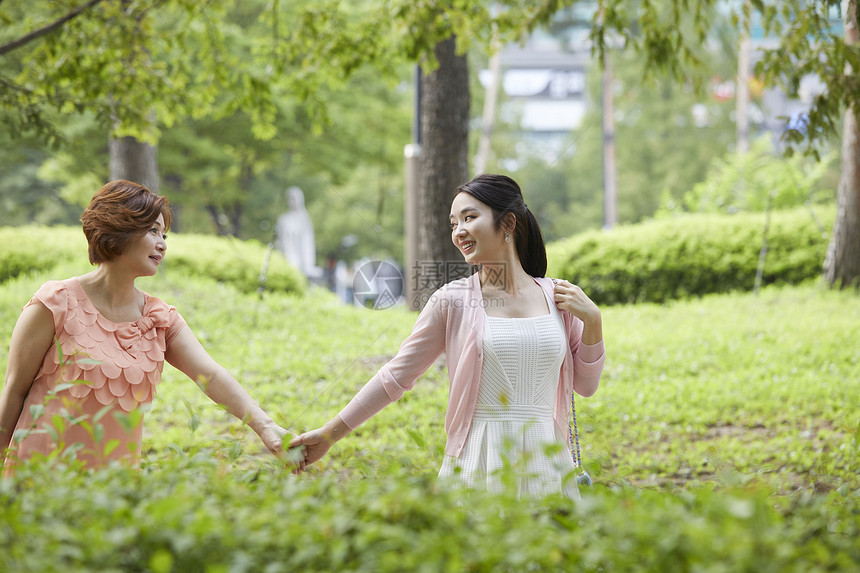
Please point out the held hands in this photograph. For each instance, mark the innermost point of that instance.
(311, 446)
(272, 436)
(314, 444)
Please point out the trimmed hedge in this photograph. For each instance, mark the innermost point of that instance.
(233, 261)
(202, 514)
(690, 256)
(35, 248)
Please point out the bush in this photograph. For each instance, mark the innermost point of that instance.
(232, 261)
(689, 256)
(34, 248)
(188, 515)
(749, 182)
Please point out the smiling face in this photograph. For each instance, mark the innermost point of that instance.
(144, 252)
(474, 233)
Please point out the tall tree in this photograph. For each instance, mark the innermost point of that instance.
(433, 34)
(842, 264)
(135, 160)
(131, 157)
(444, 162)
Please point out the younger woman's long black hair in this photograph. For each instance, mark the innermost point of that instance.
(504, 196)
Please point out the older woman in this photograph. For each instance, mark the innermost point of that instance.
(87, 352)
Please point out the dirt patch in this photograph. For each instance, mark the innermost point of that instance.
(745, 433)
(672, 470)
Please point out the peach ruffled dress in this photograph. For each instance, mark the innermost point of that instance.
(95, 373)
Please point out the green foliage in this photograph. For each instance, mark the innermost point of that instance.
(666, 136)
(31, 249)
(724, 437)
(34, 248)
(669, 34)
(232, 261)
(223, 171)
(690, 255)
(23, 196)
(219, 178)
(132, 63)
(808, 40)
(828, 56)
(756, 181)
(187, 516)
(217, 169)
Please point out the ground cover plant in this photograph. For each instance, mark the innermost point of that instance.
(724, 437)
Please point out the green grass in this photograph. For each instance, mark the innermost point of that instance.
(724, 437)
(733, 387)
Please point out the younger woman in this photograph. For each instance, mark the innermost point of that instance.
(517, 344)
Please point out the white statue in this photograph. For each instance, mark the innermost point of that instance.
(295, 234)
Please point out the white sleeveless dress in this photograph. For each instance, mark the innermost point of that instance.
(513, 422)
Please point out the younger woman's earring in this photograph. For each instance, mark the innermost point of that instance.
(507, 237)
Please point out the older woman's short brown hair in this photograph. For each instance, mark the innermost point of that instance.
(117, 212)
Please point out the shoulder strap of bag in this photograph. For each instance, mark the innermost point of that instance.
(573, 439)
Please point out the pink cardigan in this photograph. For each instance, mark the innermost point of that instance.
(453, 321)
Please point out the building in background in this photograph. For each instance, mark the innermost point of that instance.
(544, 93)
(543, 89)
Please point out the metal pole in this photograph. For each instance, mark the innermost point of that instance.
(412, 158)
(742, 93)
(610, 192)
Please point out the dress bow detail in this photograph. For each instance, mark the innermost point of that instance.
(131, 334)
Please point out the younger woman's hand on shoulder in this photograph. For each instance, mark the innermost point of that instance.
(573, 299)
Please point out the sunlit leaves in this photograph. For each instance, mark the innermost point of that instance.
(804, 38)
(182, 58)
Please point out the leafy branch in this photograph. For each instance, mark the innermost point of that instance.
(55, 25)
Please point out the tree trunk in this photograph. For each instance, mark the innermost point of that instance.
(174, 181)
(842, 264)
(129, 158)
(219, 220)
(444, 166)
(236, 218)
(134, 160)
(491, 96)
